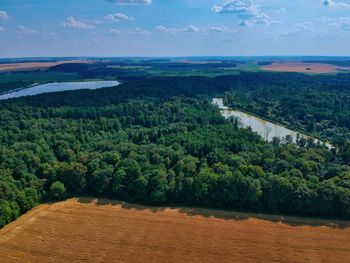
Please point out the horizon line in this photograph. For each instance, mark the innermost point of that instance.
(190, 56)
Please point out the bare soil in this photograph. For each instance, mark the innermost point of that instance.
(316, 68)
(27, 66)
(87, 230)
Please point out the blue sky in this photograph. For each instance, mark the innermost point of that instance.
(174, 27)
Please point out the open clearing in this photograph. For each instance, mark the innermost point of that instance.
(316, 68)
(26, 66)
(83, 230)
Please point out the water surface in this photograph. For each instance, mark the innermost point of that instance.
(58, 86)
(265, 129)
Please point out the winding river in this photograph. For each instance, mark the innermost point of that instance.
(56, 87)
(265, 129)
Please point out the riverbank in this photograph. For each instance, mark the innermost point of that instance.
(263, 126)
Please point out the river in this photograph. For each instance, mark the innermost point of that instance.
(265, 129)
(56, 87)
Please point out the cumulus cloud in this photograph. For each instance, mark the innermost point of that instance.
(25, 30)
(134, 31)
(77, 24)
(345, 25)
(117, 17)
(342, 23)
(4, 15)
(192, 29)
(300, 28)
(162, 28)
(131, 2)
(168, 30)
(333, 3)
(128, 32)
(246, 10)
(114, 31)
(173, 31)
(138, 31)
(218, 29)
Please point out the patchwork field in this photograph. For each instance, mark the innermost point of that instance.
(86, 230)
(316, 68)
(8, 67)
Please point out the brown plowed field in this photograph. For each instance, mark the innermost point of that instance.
(100, 231)
(304, 67)
(27, 66)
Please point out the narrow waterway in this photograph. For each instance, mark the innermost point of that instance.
(265, 129)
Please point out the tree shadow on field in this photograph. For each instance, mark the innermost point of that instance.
(292, 221)
(110, 202)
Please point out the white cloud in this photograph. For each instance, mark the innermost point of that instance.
(4, 15)
(345, 25)
(134, 31)
(117, 17)
(342, 23)
(131, 2)
(97, 22)
(219, 29)
(300, 28)
(192, 29)
(114, 31)
(165, 29)
(246, 23)
(282, 11)
(173, 31)
(333, 3)
(2, 29)
(78, 24)
(25, 30)
(324, 36)
(138, 31)
(246, 10)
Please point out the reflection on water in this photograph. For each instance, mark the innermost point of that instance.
(55, 87)
(265, 129)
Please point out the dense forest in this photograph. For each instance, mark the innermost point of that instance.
(160, 141)
(318, 105)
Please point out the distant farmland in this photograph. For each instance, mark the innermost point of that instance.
(28, 66)
(85, 231)
(316, 68)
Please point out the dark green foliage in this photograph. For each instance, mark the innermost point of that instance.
(319, 105)
(58, 191)
(145, 143)
(9, 211)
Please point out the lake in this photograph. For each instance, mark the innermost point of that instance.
(265, 129)
(56, 87)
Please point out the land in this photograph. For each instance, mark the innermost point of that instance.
(157, 140)
(29, 66)
(301, 67)
(87, 230)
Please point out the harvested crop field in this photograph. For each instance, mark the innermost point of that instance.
(86, 230)
(26, 66)
(316, 68)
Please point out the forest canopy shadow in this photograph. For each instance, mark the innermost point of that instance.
(293, 221)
